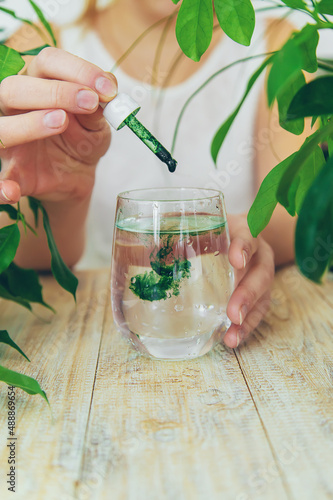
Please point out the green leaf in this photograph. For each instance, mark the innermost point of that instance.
(313, 99)
(28, 384)
(307, 41)
(236, 18)
(223, 130)
(34, 52)
(5, 339)
(285, 194)
(24, 283)
(313, 120)
(330, 146)
(265, 202)
(10, 62)
(9, 242)
(44, 22)
(298, 53)
(21, 218)
(287, 63)
(175, 1)
(10, 211)
(284, 99)
(60, 271)
(23, 20)
(5, 294)
(313, 238)
(34, 205)
(308, 173)
(325, 7)
(13, 14)
(194, 27)
(17, 215)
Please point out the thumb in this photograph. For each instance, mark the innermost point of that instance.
(10, 192)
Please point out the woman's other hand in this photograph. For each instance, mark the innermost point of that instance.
(253, 261)
(52, 128)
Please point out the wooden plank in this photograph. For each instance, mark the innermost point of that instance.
(174, 429)
(171, 430)
(64, 351)
(288, 366)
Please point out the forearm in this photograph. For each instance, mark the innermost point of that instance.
(67, 221)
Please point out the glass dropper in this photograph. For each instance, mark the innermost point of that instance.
(121, 111)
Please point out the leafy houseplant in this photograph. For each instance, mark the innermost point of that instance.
(302, 183)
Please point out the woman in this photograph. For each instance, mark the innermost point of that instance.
(55, 134)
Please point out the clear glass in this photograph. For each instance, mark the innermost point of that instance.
(171, 278)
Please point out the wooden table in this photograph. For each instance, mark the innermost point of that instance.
(245, 424)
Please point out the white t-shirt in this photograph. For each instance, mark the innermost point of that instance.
(129, 164)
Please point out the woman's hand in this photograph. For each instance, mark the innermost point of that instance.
(253, 261)
(52, 129)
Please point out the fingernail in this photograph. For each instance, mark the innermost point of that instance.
(244, 258)
(55, 119)
(242, 314)
(106, 87)
(87, 100)
(3, 194)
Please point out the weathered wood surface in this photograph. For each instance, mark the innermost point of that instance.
(254, 423)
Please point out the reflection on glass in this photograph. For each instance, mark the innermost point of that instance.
(171, 277)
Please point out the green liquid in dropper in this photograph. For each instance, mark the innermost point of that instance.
(150, 141)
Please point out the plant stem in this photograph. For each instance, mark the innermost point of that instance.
(196, 92)
(324, 66)
(263, 9)
(160, 47)
(21, 218)
(137, 41)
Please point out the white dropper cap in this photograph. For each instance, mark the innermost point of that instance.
(117, 110)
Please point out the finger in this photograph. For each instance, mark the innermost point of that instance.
(61, 65)
(87, 139)
(242, 244)
(253, 285)
(10, 192)
(20, 129)
(94, 122)
(22, 92)
(236, 334)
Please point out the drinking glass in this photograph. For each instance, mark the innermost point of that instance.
(171, 278)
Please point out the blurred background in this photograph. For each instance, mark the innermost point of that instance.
(67, 11)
